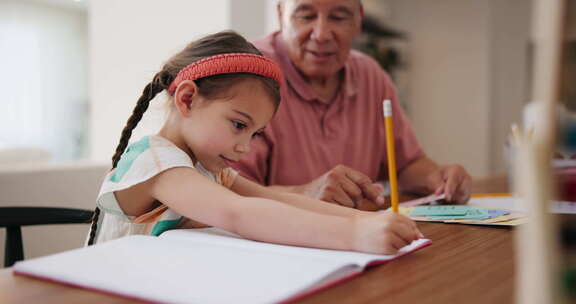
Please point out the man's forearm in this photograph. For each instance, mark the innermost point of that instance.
(415, 178)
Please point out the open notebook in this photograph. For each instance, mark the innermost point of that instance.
(203, 266)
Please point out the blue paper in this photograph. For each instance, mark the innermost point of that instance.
(439, 210)
(495, 212)
(471, 214)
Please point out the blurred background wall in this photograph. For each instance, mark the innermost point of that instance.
(464, 76)
(467, 74)
(43, 78)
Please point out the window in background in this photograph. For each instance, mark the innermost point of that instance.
(43, 78)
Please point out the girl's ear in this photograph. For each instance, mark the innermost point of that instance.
(184, 95)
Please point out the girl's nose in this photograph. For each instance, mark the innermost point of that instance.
(243, 147)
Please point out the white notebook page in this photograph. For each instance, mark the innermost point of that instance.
(174, 270)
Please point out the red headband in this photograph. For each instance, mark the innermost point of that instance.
(226, 64)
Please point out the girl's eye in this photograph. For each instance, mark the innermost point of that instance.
(259, 133)
(239, 125)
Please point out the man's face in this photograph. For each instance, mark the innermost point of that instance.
(319, 34)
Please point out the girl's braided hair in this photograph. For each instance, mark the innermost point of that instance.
(209, 87)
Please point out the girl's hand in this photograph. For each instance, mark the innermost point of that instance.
(384, 233)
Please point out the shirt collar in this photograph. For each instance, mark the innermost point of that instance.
(297, 81)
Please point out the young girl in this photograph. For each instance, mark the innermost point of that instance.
(223, 93)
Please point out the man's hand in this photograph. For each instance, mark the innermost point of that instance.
(452, 180)
(346, 187)
(423, 176)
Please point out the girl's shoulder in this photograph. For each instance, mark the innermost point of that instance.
(167, 152)
(161, 149)
(144, 159)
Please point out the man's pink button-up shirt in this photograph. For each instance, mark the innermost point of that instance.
(307, 137)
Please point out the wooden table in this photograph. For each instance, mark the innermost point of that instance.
(465, 264)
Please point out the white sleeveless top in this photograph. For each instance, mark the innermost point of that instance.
(141, 161)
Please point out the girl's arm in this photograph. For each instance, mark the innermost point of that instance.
(193, 195)
(246, 187)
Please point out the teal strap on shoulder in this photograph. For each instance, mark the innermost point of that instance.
(164, 225)
(133, 151)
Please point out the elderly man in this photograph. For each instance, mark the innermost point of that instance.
(327, 139)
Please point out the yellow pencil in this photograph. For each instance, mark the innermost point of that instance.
(391, 154)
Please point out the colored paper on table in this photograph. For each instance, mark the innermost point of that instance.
(439, 210)
(423, 200)
(471, 214)
(511, 218)
(507, 217)
(497, 212)
(497, 221)
(516, 204)
(514, 222)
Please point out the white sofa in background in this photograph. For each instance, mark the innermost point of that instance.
(70, 185)
(23, 154)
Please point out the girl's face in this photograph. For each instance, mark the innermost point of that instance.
(219, 131)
